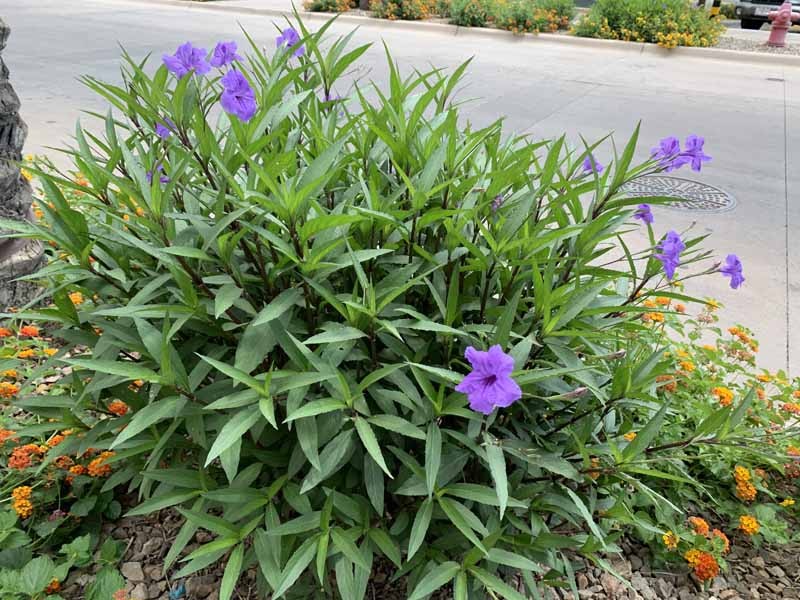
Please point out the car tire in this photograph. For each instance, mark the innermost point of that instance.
(752, 23)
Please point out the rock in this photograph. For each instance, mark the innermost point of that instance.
(200, 586)
(153, 572)
(132, 571)
(139, 592)
(757, 562)
(640, 584)
(728, 595)
(612, 586)
(776, 571)
(151, 546)
(582, 581)
(154, 589)
(636, 562)
(664, 588)
(685, 593)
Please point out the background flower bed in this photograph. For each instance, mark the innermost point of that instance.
(669, 23)
(281, 299)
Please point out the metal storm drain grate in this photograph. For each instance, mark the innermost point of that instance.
(692, 195)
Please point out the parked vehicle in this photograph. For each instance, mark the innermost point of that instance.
(754, 13)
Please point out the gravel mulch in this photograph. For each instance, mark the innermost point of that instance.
(754, 574)
(733, 43)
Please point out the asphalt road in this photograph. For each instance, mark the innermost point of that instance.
(746, 112)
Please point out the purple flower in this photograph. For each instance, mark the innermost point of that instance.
(671, 247)
(668, 154)
(187, 58)
(693, 153)
(163, 178)
(490, 384)
(497, 202)
(733, 269)
(644, 214)
(290, 38)
(224, 54)
(164, 130)
(238, 98)
(590, 165)
(56, 515)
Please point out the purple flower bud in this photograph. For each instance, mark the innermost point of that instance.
(644, 214)
(671, 247)
(224, 54)
(591, 165)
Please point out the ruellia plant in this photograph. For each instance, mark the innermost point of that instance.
(352, 331)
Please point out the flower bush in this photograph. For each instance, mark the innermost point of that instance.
(521, 16)
(338, 333)
(669, 23)
(337, 6)
(410, 10)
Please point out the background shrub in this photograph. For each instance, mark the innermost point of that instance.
(526, 16)
(471, 13)
(337, 6)
(411, 10)
(283, 305)
(669, 23)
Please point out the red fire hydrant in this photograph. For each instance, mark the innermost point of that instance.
(781, 21)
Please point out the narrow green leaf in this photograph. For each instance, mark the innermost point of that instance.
(233, 431)
(371, 444)
(434, 579)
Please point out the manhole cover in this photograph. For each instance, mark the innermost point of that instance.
(692, 195)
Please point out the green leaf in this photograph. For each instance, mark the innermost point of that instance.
(386, 545)
(346, 546)
(279, 305)
(497, 467)
(371, 444)
(128, 370)
(496, 585)
(233, 431)
(434, 579)
(36, 575)
(296, 565)
(586, 514)
(106, 582)
(338, 334)
(433, 457)
(316, 407)
(397, 424)
(419, 527)
(149, 415)
(450, 508)
(646, 435)
(232, 571)
(225, 297)
(162, 501)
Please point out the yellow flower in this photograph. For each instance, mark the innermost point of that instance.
(764, 377)
(22, 501)
(29, 353)
(788, 502)
(748, 525)
(76, 298)
(687, 365)
(10, 373)
(709, 347)
(630, 436)
(50, 351)
(692, 556)
(682, 354)
(670, 540)
(724, 395)
(662, 301)
(699, 525)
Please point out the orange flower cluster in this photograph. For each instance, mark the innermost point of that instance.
(716, 533)
(699, 525)
(6, 434)
(22, 504)
(744, 338)
(706, 566)
(29, 331)
(10, 373)
(663, 301)
(670, 386)
(670, 540)
(791, 407)
(748, 525)
(796, 393)
(63, 462)
(681, 308)
(745, 490)
(28, 353)
(654, 317)
(55, 440)
(21, 456)
(75, 470)
(5, 332)
(53, 588)
(792, 470)
(8, 390)
(792, 450)
(764, 377)
(118, 407)
(687, 365)
(723, 394)
(120, 595)
(98, 468)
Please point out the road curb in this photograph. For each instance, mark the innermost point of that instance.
(455, 30)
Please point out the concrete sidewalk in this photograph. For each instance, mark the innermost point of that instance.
(544, 88)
